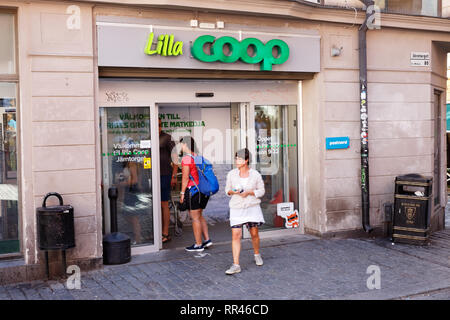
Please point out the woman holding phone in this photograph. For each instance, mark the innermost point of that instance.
(245, 187)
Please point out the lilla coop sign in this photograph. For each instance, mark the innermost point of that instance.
(223, 49)
(181, 48)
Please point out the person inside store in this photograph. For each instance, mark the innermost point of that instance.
(245, 186)
(190, 197)
(169, 169)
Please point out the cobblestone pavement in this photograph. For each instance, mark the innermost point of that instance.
(434, 295)
(296, 267)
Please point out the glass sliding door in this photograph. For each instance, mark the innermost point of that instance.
(216, 130)
(127, 165)
(275, 146)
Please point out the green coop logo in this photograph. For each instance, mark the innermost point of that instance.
(239, 50)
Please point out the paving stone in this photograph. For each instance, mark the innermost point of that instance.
(46, 293)
(31, 294)
(114, 291)
(55, 286)
(63, 295)
(16, 294)
(436, 295)
(5, 296)
(313, 269)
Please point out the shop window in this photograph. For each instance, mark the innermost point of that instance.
(8, 48)
(381, 4)
(415, 7)
(411, 7)
(9, 217)
(276, 160)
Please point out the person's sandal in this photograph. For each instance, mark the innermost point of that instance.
(166, 238)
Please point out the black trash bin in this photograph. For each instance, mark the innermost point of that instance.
(412, 209)
(55, 227)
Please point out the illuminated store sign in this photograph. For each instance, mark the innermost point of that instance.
(262, 53)
(237, 50)
(183, 48)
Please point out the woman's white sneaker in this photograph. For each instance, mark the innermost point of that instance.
(258, 260)
(235, 268)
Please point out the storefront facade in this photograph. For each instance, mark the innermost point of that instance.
(93, 78)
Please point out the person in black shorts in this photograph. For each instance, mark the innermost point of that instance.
(194, 200)
(168, 178)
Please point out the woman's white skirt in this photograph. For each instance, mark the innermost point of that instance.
(243, 215)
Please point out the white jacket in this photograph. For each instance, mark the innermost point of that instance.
(255, 183)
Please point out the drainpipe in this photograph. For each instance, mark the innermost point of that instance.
(365, 195)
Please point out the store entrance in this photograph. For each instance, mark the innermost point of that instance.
(219, 130)
(222, 117)
(217, 138)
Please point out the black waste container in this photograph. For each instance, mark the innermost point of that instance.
(412, 209)
(55, 226)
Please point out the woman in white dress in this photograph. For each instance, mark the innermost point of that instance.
(245, 187)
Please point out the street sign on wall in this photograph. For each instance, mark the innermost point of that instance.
(420, 59)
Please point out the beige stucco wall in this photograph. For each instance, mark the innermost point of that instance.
(313, 169)
(57, 122)
(340, 102)
(400, 118)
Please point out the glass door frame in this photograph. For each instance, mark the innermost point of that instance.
(156, 209)
(249, 110)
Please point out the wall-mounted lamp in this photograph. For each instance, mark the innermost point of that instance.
(336, 52)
